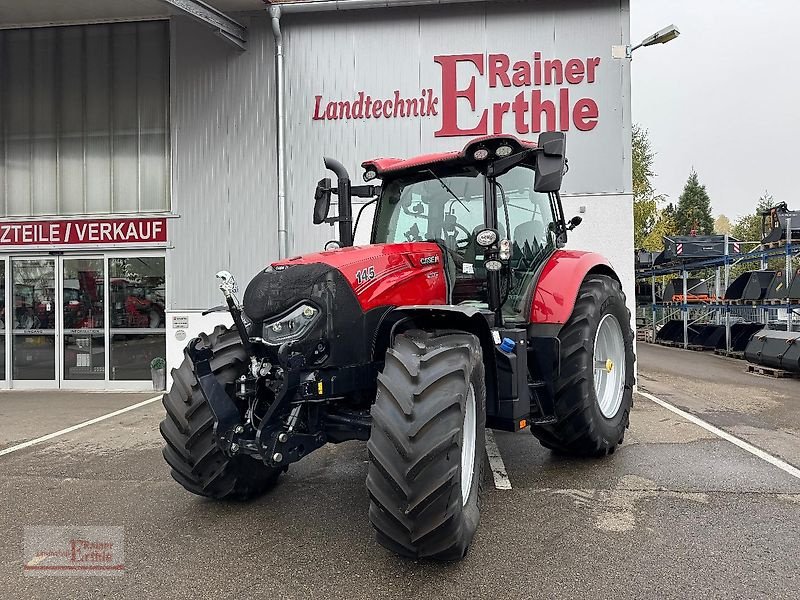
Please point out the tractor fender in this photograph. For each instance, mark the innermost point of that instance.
(442, 317)
(556, 289)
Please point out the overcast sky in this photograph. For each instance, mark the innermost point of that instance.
(723, 98)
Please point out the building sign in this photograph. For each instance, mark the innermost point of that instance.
(83, 232)
(536, 94)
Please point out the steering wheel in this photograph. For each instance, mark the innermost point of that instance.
(464, 242)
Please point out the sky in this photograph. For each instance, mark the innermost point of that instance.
(723, 98)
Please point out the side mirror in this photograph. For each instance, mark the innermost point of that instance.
(551, 158)
(322, 201)
(574, 222)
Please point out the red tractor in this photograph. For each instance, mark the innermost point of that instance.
(463, 313)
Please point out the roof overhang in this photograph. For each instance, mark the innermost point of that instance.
(292, 6)
(42, 13)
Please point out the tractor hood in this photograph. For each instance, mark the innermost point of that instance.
(379, 275)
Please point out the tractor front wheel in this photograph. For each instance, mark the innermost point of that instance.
(594, 392)
(196, 461)
(426, 449)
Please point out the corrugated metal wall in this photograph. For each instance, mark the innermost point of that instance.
(224, 152)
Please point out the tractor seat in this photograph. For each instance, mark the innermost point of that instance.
(532, 232)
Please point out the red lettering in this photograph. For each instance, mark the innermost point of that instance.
(345, 110)
(451, 94)
(376, 108)
(519, 107)
(574, 71)
(432, 102)
(551, 68)
(591, 65)
(537, 68)
(585, 114)
(330, 111)
(317, 101)
(563, 109)
(399, 105)
(500, 109)
(367, 107)
(412, 102)
(498, 69)
(387, 109)
(358, 107)
(538, 106)
(522, 74)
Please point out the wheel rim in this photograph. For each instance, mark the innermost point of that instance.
(609, 366)
(468, 445)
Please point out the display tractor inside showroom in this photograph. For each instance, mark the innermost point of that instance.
(465, 312)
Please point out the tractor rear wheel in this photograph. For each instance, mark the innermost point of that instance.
(594, 392)
(196, 461)
(426, 449)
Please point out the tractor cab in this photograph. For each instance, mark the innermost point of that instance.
(493, 208)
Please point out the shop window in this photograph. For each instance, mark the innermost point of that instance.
(84, 119)
(138, 322)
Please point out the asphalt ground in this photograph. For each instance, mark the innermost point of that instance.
(677, 512)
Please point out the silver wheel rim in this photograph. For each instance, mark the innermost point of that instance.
(468, 445)
(609, 366)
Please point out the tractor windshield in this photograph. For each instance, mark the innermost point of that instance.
(420, 207)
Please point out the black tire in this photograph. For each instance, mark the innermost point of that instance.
(581, 428)
(196, 462)
(414, 474)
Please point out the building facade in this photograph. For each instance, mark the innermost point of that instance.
(138, 151)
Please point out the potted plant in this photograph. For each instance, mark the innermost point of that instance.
(158, 373)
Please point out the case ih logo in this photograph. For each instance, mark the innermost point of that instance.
(540, 97)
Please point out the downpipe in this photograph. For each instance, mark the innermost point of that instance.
(283, 229)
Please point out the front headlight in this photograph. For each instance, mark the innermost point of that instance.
(292, 326)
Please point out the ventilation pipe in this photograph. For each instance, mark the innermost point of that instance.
(283, 229)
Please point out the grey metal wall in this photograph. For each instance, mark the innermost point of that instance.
(335, 54)
(224, 151)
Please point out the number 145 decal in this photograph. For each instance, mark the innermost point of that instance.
(364, 275)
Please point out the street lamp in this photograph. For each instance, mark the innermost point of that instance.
(662, 36)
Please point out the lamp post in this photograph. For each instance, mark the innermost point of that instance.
(662, 36)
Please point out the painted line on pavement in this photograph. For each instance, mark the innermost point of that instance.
(55, 434)
(501, 480)
(773, 460)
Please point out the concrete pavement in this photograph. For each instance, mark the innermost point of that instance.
(675, 513)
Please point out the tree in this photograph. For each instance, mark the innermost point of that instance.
(663, 227)
(694, 208)
(645, 200)
(722, 225)
(748, 227)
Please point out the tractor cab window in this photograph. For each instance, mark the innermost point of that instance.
(450, 210)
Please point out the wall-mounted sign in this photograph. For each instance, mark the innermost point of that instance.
(534, 94)
(66, 233)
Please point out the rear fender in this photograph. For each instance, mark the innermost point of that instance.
(557, 288)
(444, 317)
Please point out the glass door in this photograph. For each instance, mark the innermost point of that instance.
(33, 317)
(83, 346)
